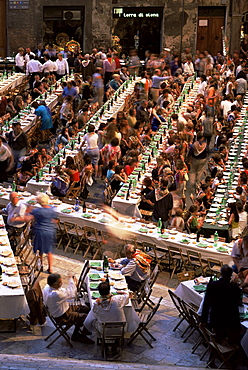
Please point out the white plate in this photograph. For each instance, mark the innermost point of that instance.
(9, 262)
(96, 211)
(151, 226)
(116, 276)
(11, 271)
(13, 284)
(6, 253)
(120, 285)
(223, 222)
(173, 232)
(209, 220)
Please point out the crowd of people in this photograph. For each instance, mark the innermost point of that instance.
(197, 143)
(183, 182)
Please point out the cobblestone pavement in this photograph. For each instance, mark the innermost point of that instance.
(169, 349)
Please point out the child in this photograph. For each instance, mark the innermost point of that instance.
(110, 171)
(178, 221)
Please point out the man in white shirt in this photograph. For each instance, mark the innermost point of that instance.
(14, 209)
(56, 299)
(188, 67)
(19, 60)
(107, 308)
(49, 66)
(33, 68)
(28, 55)
(62, 65)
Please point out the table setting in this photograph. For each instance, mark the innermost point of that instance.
(11, 82)
(13, 302)
(118, 285)
(216, 218)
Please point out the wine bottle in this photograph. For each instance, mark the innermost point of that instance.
(84, 207)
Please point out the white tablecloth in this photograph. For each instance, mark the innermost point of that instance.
(13, 81)
(132, 319)
(13, 303)
(126, 230)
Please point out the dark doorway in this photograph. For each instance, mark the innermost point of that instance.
(139, 28)
(62, 24)
(209, 29)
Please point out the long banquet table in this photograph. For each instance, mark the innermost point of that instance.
(216, 218)
(115, 278)
(11, 82)
(13, 303)
(129, 229)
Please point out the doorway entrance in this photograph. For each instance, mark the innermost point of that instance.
(62, 24)
(209, 28)
(138, 28)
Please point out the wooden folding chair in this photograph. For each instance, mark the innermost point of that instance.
(176, 260)
(76, 237)
(153, 251)
(181, 312)
(154, 275)
(112, 334)
(61, 329)
(30, 273)
(60, 235)
(80, 285)
(73, 191)
(94, 242)
(222, 350)
(143, 300)
(214, 266)
(186, 275)
(145, 319)
(195, 262)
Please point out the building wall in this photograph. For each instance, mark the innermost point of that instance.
(25, 27)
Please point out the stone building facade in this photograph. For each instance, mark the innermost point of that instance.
(175, 24)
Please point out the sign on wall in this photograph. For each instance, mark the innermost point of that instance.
(147, 12)
(18, 4)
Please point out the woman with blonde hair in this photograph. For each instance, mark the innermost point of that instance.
(44, 219)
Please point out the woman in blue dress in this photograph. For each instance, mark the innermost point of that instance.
(44, 228)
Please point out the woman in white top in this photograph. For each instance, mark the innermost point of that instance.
(91, 139)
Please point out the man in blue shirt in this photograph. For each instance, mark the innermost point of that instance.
(70, 90)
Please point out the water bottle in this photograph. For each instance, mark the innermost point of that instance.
(13, 186)
(105, 264)
(216, 238)
(160, 225)
(77, 205)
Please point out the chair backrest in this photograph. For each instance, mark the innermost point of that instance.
(112, 330)
(153, 311)
(82, 276)
(176, 300)
(186, 275)
(154, 275)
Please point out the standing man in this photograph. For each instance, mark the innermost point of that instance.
(221, 302)
(39, 51)
(20, 61)
(17, 141)
(33, 68)
(14, 228)
(198, 152)
(162, 202)
(62, 65)
(98, 86)
(49, 66)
